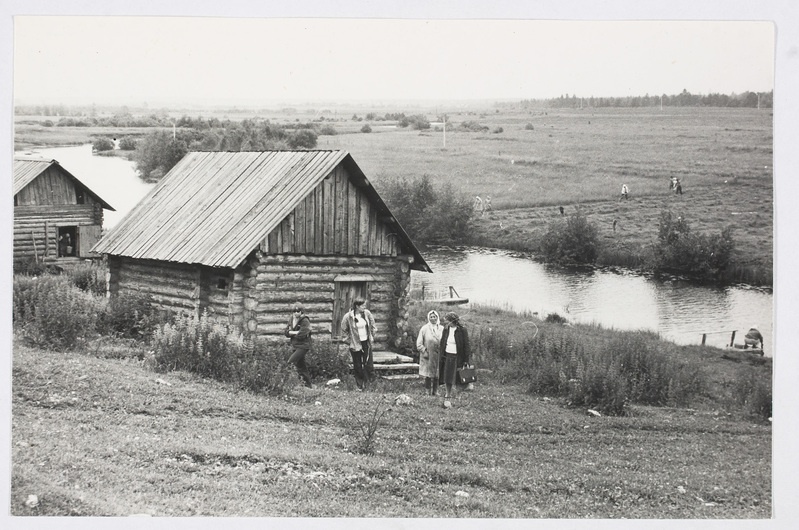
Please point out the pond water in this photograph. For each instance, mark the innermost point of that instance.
(679, 310)
(111, 177)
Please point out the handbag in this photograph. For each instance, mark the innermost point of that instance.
(466, 375)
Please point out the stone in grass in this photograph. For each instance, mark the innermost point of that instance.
(333, 382)
(402, 399)
(594, 413)
(447, 404)
(461, 493)
(32, 501)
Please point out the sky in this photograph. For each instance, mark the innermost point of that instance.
(217, 60)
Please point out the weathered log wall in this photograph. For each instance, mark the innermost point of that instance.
(267, 288)
(36, 227)
(172, 286)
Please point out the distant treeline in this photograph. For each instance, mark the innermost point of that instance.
(683, 99)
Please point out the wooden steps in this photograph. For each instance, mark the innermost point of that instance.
(391, 365)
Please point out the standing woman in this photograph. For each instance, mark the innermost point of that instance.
(358, 328)
(428, 343)
(298, 330)
(454, 348)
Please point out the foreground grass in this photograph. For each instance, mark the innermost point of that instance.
(98, 436)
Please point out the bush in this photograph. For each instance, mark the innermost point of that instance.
(754, 393)
(529, 127)
(498, 130)
(324, 362)
(129, 315)
(608, 376)
(679, 249)
(212, 349)
(127, 143)
(428, 215)
(88, 277)
(103, 144)
(52, 313)
(571, 243)
(366, 128)
(328, 130)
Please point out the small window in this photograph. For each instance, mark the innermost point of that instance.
(221, 283)
(80, 196)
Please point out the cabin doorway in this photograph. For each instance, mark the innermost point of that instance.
(346, 292)
(67, 241)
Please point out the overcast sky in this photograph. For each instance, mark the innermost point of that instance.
(240, 60)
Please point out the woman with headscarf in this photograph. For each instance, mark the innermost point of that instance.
(454, 348)
(427, 343)
(358, 329)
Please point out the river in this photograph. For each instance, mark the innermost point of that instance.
(679, 310)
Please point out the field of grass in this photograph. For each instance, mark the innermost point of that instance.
(543, 159)
(98, 433)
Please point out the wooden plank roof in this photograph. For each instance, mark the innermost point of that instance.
(215, 208)
(27, 168)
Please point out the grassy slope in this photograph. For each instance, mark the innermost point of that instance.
(94, 436)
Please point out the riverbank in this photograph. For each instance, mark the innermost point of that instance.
(747, 207)
(97, 433)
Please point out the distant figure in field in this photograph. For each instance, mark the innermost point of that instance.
(678, 187)
(672, 183)
(625, 192)
(561, 210)
(487, 205)
(478, 205)
(614, 224)
(753, 337)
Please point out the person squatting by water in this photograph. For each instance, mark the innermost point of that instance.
(753, 337)
(298, 330)
(454, 348)
(427, 343)
(358, 329)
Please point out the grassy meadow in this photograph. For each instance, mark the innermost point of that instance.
(544, 159)
(96, 432)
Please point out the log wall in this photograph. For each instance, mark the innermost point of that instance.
(267, 288)
(36, 227)
(172, 286)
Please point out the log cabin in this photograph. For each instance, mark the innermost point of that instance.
(244, 235)
(57, 218)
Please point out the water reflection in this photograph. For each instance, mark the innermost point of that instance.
(680, 311)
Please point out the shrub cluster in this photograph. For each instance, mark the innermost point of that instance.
(429, 215)
(572, 242)
(609, 376)
(53, 313)
(127, 143)
(211, 349)
(681, 250)
(103, 144)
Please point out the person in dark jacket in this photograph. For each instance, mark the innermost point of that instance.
(298, 330)
(454, 348)
(753, 338)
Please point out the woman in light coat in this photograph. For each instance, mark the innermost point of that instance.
(358, 332)
(427, 343)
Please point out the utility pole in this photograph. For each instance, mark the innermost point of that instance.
(445, 130)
